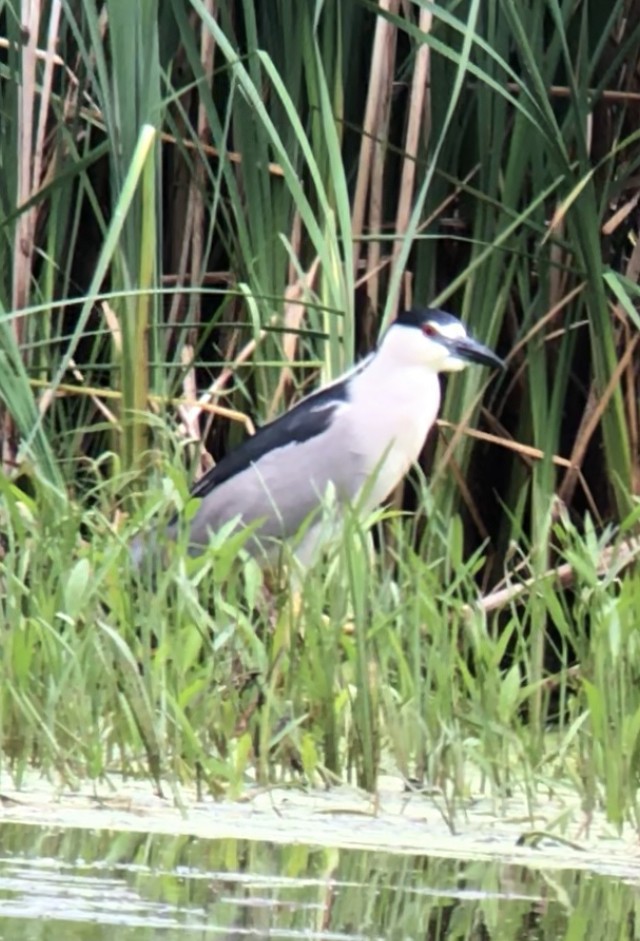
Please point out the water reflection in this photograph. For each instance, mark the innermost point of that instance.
(85, 886)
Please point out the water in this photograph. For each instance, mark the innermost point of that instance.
(83, 885)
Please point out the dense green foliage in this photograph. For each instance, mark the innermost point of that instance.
(236, 200)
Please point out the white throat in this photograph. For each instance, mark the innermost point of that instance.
(396, 400)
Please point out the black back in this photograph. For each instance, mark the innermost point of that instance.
(305, 420)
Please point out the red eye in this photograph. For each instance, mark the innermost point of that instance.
(429, 330)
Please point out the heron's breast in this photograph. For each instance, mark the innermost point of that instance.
(393, 420)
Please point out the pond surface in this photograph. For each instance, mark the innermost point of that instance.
(85, 885)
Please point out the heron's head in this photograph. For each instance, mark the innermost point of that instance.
(437, 339)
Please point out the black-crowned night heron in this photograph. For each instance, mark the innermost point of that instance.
(356, 437)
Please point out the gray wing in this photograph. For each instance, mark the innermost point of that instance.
(282, 487)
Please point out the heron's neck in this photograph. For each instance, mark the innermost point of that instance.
(394, 404)
(396, 385)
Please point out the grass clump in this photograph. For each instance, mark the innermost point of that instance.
(379, 660)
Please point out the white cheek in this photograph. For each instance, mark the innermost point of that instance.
(453, 364)
(434, 354)
(429, 350)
